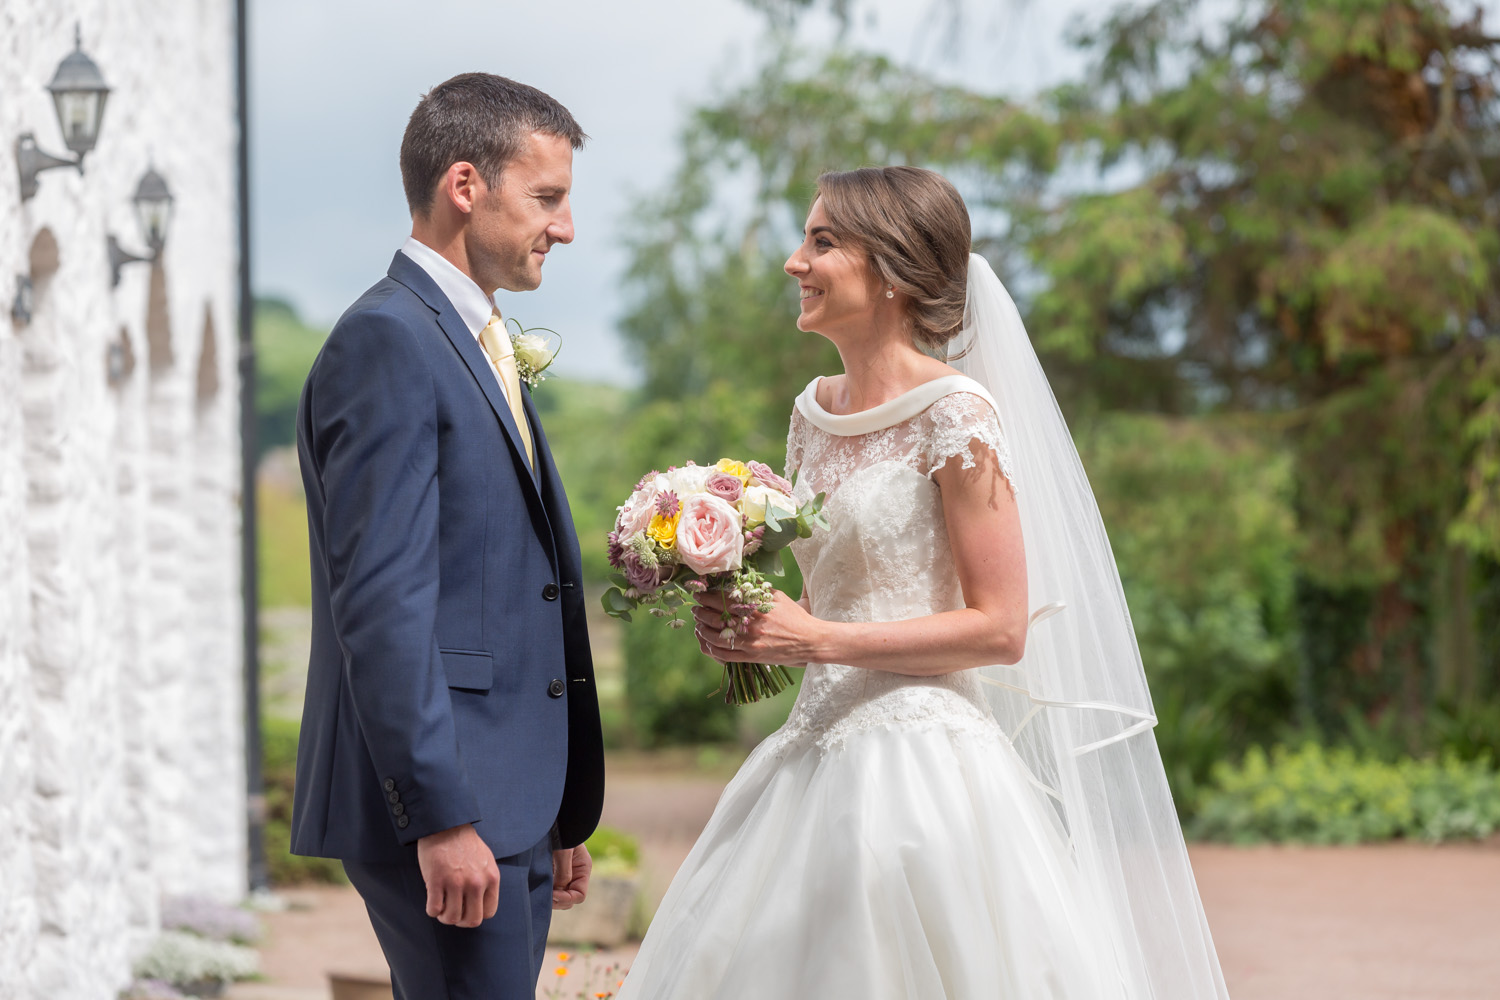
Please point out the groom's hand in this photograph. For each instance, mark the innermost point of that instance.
(571, 869)
(463, 881)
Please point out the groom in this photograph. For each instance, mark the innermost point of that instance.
(450, 751)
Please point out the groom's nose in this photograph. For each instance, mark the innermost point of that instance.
(561, 229)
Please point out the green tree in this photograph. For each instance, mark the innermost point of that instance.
(1287, 216)
(285, 347)
(1293, 218)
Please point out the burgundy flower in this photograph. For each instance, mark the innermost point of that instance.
(666, 503)
(762, 472)
(724, 486)
(646, 579)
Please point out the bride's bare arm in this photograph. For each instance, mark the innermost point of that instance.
(984, 530)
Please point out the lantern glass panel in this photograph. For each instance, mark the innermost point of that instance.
(78, 113)
(154, 215)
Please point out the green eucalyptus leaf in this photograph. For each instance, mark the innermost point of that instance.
(615, 602)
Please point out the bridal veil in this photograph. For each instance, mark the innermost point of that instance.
(1076, 706)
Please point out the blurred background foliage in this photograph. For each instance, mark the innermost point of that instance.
(1257, 251)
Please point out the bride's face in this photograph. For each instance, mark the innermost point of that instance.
(840, 291)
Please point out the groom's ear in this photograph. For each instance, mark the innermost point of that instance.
(461, 187)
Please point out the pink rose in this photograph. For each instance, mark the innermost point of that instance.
(762, 472)
(710, 535)
(637, 512)
(724, 486)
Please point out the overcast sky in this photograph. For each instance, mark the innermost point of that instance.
(333, 82)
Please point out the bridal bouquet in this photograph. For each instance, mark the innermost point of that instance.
(700, 528)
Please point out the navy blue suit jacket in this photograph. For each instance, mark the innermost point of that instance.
(450, 679)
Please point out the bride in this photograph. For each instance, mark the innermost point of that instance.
(966, 800)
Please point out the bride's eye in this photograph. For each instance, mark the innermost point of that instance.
(823, 243)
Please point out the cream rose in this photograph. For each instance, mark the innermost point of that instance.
(690, 479)
(758, 498)
(709, 536)
(532, 349)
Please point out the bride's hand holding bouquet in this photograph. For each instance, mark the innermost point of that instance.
(709, 538)
(781, 631)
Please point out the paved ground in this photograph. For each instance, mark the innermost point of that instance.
(1392, 922)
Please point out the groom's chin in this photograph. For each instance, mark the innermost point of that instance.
(527, 281)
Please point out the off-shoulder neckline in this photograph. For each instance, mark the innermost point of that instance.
(893, 411)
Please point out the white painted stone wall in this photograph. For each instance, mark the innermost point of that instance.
(121, 734)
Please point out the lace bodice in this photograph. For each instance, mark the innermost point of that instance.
(886, 556)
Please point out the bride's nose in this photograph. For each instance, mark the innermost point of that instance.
(795, 265)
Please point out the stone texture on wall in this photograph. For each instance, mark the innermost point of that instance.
(121, 734)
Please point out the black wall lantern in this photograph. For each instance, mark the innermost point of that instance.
(22, 304)
(153, 213)
(78, 96)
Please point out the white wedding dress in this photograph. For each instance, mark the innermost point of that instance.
(888, 841)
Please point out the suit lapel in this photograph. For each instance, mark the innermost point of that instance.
(410, 274)
(479, 364)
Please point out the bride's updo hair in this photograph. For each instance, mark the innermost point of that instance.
(914, 227)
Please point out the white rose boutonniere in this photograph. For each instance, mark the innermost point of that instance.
(534, 353)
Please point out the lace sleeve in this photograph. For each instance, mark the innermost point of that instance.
(955, 424)
(794, 444)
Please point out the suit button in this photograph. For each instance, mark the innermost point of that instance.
(550, 592)
(555, 689)
(403, 822)
(390, 784)
(393, 797)
(398, 809)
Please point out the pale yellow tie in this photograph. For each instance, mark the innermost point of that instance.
(496, 344)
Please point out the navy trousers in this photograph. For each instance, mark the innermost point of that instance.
(500, 959)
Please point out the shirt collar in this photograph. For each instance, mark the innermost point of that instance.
(473, 306)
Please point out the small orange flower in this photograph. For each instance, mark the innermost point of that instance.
(563, 956)
(562, 970)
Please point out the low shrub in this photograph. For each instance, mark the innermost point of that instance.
(614, 852)
(188, 961)
(1336, 796)
(152, 989)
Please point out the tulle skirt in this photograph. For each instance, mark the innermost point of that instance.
(911, 862)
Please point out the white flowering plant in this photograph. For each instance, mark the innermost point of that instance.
(210, 919)
(720, 528)
(188, 961)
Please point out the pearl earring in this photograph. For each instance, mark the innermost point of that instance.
(890, 291)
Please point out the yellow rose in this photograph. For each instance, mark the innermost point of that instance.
(663, 530)
(733, 468)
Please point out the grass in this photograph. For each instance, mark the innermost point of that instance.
(284, 577)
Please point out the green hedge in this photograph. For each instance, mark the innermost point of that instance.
(1321, 796)
(669, 688)
(279, 757)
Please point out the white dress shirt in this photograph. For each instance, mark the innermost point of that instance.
(473, 306)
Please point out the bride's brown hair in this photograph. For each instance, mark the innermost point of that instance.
(914, 227)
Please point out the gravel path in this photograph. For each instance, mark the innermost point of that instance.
(1388, 922)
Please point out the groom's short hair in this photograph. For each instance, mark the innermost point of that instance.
(477, 118)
